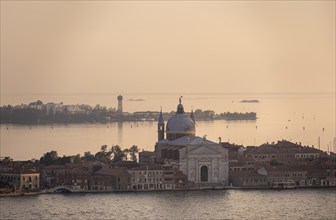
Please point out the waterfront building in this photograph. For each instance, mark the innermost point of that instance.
(282, 162)
(287, 173)
(168, 176)
(180, 180)
(283, 151)
(110, 179)
(71, 175)
(248, 178)
(158, 177)
(202, 161)
(147, 178)
(49, 175)
(74, 176)
(21, 179)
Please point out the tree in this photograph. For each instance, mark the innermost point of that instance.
(209, 113)
(133, 151)
(63, 160)
(103, 148)
(76, 159)
(38, 102)
(126, 152)
(117, 154)
(198, 112)
(100, 156)
(88, 156)
(49, 158)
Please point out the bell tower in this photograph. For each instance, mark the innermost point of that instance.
(161, 127)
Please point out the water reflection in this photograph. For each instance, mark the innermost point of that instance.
(120, 132)
(217, 204)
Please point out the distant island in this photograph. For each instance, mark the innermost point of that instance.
(250, 101)
(240, 116)
(50, 113)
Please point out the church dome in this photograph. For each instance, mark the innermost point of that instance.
(180, 124)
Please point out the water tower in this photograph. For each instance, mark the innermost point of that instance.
(120, 108)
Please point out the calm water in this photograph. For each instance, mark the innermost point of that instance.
(218, 204)
(299, 118)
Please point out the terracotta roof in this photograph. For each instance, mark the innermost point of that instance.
(22, 170)
(26, 170)
(286, 168)
(107, 171)
(128, 162)
(146, 152)
(152, 167)
(187, 140)
(281, 147)
(231, 146)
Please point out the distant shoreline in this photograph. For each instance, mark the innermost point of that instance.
(58, 113)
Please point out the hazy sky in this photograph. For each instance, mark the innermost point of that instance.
(167, 46)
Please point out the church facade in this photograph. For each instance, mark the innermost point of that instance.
(202, 161)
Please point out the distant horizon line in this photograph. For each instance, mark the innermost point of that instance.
(176, 93)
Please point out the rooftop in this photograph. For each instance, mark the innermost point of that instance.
(187, 140)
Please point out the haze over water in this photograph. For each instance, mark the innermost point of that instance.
(306, 116)
(213, 53)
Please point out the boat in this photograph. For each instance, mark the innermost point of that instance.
(289, 184)
(250, 101)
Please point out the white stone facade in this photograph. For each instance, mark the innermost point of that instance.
(212, 157)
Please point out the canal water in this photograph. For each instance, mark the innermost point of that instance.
(207, 204)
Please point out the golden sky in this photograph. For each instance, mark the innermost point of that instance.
(167, 47)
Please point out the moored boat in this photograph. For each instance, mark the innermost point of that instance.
(289, 184)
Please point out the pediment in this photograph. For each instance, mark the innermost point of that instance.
(204, 150)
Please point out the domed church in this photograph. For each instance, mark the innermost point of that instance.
(203, 161)
(180, 125)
